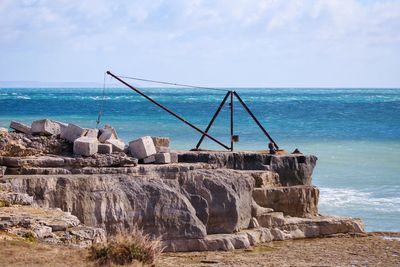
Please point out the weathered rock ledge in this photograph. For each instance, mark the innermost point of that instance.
(61, 183)
(219, 201)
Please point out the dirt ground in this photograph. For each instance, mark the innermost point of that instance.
(377, 249)
(371, 250)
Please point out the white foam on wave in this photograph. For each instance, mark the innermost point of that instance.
(23, 97)
(348, 198)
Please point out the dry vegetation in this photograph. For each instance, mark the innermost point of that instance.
(371, 250)
(126, 249)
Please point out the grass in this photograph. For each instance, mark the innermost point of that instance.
(20, 252)
(125, 249)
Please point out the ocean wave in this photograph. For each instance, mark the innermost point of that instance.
(23, 97)
(351, 198)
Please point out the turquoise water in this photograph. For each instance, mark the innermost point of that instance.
(354, 132)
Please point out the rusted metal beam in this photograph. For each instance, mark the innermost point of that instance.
(255, 119)
(168, 110)
(213, 119)
(231, 108)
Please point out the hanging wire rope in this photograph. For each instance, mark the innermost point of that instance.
(176, 84)
(101, 111)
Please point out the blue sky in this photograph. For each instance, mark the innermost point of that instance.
(265, 43)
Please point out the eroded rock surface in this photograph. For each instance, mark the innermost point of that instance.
(296, 201)
(188, 203)
(292, 169)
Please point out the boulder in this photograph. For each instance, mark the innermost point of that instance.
(174, 157)
(142, 147)
(72, 132)
(93, 133)
(162, 149)
(149, 159)
(106, 135)
(162, 158)
(222, 198)
(63, 125)
(110, 128)
(85, 146)
(45, 127)
(297, 201)
(117, 145)
(20, 127)
(104, 148)
(161, 141)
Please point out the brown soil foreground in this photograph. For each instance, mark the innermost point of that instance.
(375, 249)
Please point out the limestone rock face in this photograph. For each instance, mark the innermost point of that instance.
(296, 201)
(119, 203)
(186, 203)
(292, 169)
(222, 198)
(48, 225)
(12, 198)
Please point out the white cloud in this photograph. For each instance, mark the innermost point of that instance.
(252, 32)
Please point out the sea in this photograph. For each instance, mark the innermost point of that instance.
(355, 133)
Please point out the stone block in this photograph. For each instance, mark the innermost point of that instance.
(142, 147)
(149, 159)
(72, 132)
(117, 145)
(162, 158)
(104, 148)
(2, 170)
(162, 149)
(106, 135)
(266, 179)
(45, 127)
(114, 132)
(42, 231)
(174, 157)
(93, 133)
(20, 127)
(85, 146)
(296, 201)
(160, 141)
(63, 125)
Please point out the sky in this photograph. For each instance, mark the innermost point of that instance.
(224, 43)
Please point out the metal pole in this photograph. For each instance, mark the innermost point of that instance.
(255, 119)
(231, 106)
(213, 119)
(167, 110)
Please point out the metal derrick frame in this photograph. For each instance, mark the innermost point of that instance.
(205, 133)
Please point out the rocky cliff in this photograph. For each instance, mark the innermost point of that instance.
(207, 201)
